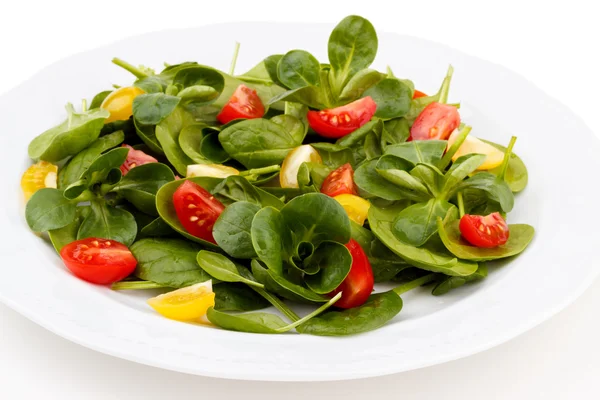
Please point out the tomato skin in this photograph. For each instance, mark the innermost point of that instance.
(197, 210)
(484, 231)
(244, 103)
(358, 285)
(418, 94)
(99, 261)
(436, 121)
(135, 158)
(340, 181)
(341, 121)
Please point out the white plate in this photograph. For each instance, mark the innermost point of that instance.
(560, 201)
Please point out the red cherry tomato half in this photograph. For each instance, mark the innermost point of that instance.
(340, 181)
(436, 121)
(98, 260)
(134, 159)
(484, 231)
(197, 210)
(341, 121)
(418, 94)
(244, 103)
(358, 285)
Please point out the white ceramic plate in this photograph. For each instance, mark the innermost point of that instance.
(560, 201)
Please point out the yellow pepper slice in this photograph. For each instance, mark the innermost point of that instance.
(120, 103)
(40, 175)
(356, 207)
(211, 170)
(185, 304)
(494, 157)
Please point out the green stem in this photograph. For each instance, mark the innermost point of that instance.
(400, 290)
(128, 67)
(445, 89)
(507, 157)
(277, 303)
(312, 314)
(390, 73)
(234, 59)
(116, 86)
(70, 111)
(136, 285)
(461, 204)
(87, 195)
(84, 106)
(261, 171)
(250, 79)
(462, 136)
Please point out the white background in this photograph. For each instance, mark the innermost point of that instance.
(553, 43)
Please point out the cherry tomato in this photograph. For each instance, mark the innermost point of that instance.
(436, 121)
(197, 210)
(134, 159)
(340, 181)
(244, 103)
(418, 94)
(358, 285)
(484, 231)
(120, 103)
(288, 176)
(98, 260)
(341, 121)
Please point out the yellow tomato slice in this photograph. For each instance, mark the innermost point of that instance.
(472, 145)
(120, 103)
(288, 177)
(38, 176)
(186, 304)
(356, 207)
(211, 170)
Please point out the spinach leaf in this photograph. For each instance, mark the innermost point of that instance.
(516, 174)
(447, 283)
(76, 133)
(332, 260)
(198, 75)
(151, 109)
(211, 148)
(352, 47)
(375, 313)
(393, 98)
(48, 209)
(372, 146)
(310, 96)
(359, 83)
(292, 125)
(429, 257)
(166, 209)
(271, 238)
(334, 155)
(99, 99)
(104, 168)
(155, 228)
(496, 189)
(169, 262)
(190, 141)
(199, 94)
(237, 188)
(141, 183)
(419, 151)
(279, 285)
(297, 69)
(460, 169)
(232, 229)
(415, 224)
(431, 177)
(67, 234)
(330, 223)
(237, 297)
(108, 222)
(393, 170)
(311, 176)
(167, 133)
(518, 240)
(358, 136)
(395, 131)
(369, 180)
(222, 268)
(258, 142)
(148, 135)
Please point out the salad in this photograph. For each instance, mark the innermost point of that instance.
(295, 182)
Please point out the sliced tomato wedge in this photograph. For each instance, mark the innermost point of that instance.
(197, 210)
(244, 103)
(436, 121)
(484, 231)
(135, 158)
(99, 261)
(341, 121)
(417, 94)
(340, 181)
(358, 285)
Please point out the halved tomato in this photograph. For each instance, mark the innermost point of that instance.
(436, 121)
(418, 94)
(358, 285)
(244, 103)
(98, 260)
(340, 181)
(135, 158)
(197, 210)
(341, 121)
(484, 231)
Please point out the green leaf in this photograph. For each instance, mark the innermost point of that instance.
(222, 268)
(67, 234)
(237, 188)
(311, 176)
(393, 98)
(395, 131)
(293, 126)
(105, 168)
(108, 222)
(415, 224)
(393, 170)
(156, 228)
(232, 229)
(237, 297)
(198, 75)
(310, 96)
(358, 136)
(76, 133)
(516, 174)
(99, 98)
(151, 109)
(198, 94)
(372, 146)
(48, 209)
(431, 177)
(369, 180)
(148, 136)
(167, 133)
(429, 257)
(333, 261)
(279, 285)
(359, 83)
(460, 169)
(212, 149)
(190, 141)
(497, 190)
(333, 155)
(378, 310)
(452, 282)
(419, 151)
(271, 238)
(297, 69)
(169, 262)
